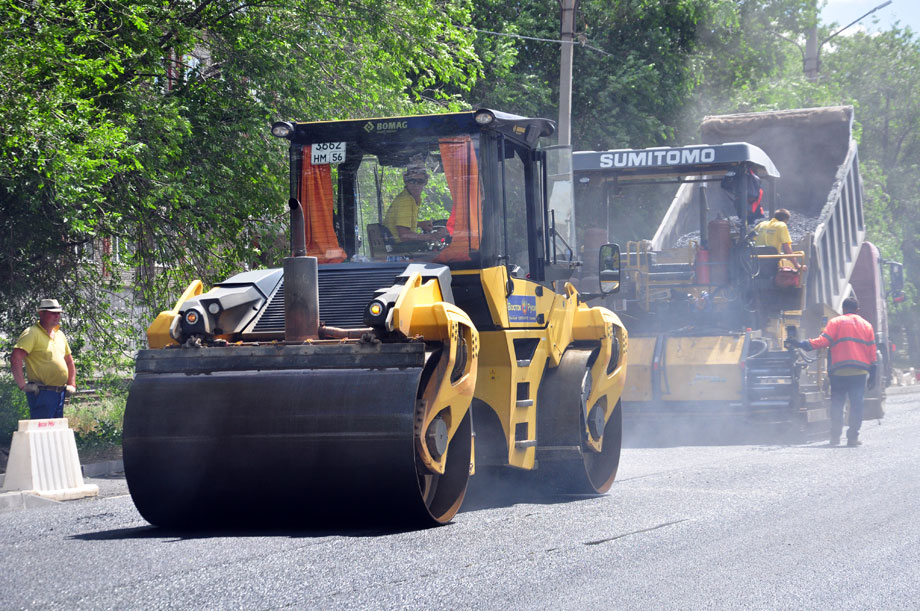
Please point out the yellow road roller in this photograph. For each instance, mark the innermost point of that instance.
(423, 325)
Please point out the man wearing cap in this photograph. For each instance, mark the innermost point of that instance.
(402, 216)
(49, 364)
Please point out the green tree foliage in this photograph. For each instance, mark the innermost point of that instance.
(635, 93)
(146, 123)
(632, 63)
(747, 48)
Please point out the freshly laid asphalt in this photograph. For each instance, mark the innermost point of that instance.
(736, 526)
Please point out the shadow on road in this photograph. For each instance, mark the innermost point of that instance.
(497, 487)
(175, 534)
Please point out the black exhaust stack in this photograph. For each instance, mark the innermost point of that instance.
(298, 236)
(301, 292)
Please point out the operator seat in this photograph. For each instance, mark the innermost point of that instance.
(376, 241)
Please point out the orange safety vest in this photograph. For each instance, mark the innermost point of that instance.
(851, 340)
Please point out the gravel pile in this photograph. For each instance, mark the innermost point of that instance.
(798, 226)
(684, 240)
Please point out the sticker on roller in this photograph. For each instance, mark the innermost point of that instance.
(323, 153)
(522, 308)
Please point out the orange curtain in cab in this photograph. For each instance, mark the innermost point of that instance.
(461, 169)
(318, 202)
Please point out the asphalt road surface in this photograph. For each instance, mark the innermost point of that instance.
(688, 527)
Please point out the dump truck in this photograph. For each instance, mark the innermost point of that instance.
(366, 379)
(709, 312)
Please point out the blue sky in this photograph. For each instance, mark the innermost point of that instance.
(845, 11)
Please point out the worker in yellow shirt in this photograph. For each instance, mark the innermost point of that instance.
(44, 350)
(401, 218)
(775, 233)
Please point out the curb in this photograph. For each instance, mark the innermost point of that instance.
(903, 390)
(101, 469)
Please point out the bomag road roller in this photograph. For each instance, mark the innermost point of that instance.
(355, 382)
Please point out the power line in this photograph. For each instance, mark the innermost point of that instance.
(563, 42)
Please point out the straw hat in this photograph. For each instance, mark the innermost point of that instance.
(416, 173)
(49, 305)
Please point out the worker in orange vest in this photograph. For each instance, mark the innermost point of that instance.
(852, 369)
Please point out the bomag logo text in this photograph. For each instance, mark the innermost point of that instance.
(385, 126)
(641, 159)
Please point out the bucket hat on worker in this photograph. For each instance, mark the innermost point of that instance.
(49, 305)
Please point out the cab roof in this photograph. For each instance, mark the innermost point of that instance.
(664, 162)
(523, 129)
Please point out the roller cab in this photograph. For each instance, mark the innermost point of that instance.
(424, 307)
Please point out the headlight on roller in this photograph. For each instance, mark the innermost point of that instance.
(194, 322)
(484, 117)
(375, 315)
(282, 129)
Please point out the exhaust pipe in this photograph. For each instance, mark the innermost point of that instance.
(298, 236)
(301, 284)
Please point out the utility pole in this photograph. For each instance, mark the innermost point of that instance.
(559, 157)
(811, 53)
(812, 59)
(565, 72)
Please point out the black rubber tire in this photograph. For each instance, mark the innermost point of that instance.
(561, 425)
(450, 487)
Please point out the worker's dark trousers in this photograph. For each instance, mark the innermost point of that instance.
(843, 387)
(45, 404)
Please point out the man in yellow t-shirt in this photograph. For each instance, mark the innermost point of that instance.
(401, 218)
(48, 361)
(775, 233)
